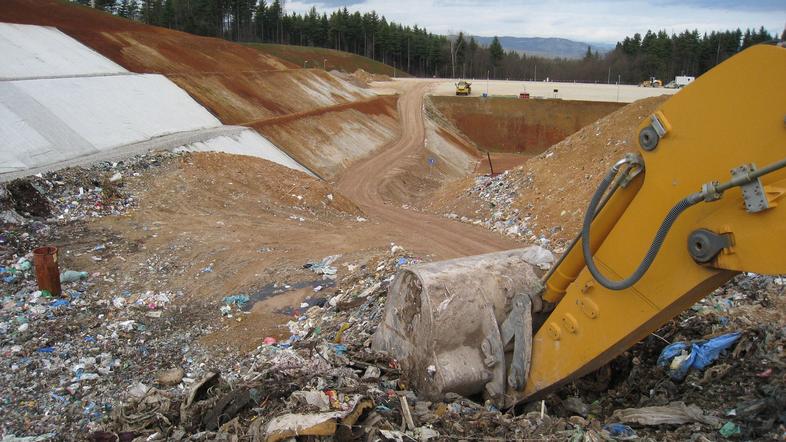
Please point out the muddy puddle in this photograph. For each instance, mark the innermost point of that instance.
(268, 312)
(291, 299)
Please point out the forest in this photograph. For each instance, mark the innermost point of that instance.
(421, 53)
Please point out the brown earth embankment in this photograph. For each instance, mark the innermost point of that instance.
(519, 126)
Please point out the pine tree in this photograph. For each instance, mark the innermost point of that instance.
(106, 5)
(588, 54)
(495, 54)
(122, 9)
(168, 18)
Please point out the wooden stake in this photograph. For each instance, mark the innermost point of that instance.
(407, 414)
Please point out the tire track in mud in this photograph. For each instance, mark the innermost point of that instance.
(420, 231)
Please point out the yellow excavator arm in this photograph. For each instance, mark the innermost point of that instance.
(725, 126)
(698, 203)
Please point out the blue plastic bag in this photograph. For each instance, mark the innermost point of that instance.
(620, 431)
(702, 354)
(59, 303)
(239, 300)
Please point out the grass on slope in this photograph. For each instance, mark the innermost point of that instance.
(313, 57)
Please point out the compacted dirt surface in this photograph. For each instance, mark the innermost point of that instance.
(364, 182)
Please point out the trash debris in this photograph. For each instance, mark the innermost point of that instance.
(680, 357)
(239, 300)
(96, 362)
(73, 276)
(39, 438)
(46, 269)
(620, 431)
(539, 257)
(576, 405)
(318, 424)
(323, 267)
(675, 413)
(316, 399)
(730, 429)
(170, 377)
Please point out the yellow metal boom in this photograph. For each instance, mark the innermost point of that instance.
(726, 124)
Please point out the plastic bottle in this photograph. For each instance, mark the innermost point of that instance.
(72, 276)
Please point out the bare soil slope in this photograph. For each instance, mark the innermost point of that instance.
(329, 139)
(552, 189)
(329, 59)
(513, 125)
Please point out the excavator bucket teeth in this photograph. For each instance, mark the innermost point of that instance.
(449, 323)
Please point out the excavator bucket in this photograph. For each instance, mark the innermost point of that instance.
(464, 325)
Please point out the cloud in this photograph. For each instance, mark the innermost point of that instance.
(593, 21)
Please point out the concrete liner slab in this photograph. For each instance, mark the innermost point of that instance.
(50, 120)
(29, 51)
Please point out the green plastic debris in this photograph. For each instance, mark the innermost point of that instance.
(730, 429)
(72, 276)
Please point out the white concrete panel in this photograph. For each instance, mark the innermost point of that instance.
(117, 110)
(246, 142)
(46, 121)
(17, 137)
(29, 51)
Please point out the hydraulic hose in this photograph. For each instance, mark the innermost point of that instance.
(657, 242)
(710, 192)
(617, 184)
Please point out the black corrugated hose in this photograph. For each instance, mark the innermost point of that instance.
(657, 242)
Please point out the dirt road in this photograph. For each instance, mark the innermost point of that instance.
(418, 231)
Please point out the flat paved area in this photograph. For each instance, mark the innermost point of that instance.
(363, 180)
(566, 91)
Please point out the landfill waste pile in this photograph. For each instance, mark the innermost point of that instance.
(31, 207)
(325, 381)
(103, 362)
(543, 201)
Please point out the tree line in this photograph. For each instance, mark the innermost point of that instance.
(415, 50)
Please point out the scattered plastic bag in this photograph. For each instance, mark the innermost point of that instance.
(676, 413)
(72, 276)
(620, 431)
(539, 257)
(701, 355)
(238, 300)
(730, 429)
(269, 341)
(323, 267)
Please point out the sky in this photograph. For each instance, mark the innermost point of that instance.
(603, 21)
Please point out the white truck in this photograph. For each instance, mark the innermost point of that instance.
(683, 80)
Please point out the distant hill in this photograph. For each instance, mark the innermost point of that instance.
(314, 57)
(547, 47)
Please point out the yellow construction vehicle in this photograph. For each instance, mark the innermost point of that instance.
(697, 204)
(652, 82)
(463, 88)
